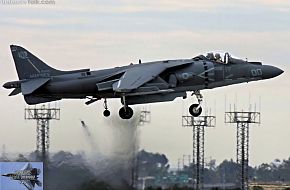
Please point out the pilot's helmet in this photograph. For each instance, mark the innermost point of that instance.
(210, 56)
(217, 56)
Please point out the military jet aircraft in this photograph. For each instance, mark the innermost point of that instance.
(156, 81)
(27, 176)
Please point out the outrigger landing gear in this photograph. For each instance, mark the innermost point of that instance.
(196, 109)
(106, 112)
(91, 100)
(125, 112)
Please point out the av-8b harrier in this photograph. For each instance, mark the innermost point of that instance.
(157, 81)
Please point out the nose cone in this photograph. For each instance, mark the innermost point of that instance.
(271, 71)
(6, 85)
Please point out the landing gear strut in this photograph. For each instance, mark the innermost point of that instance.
(106, 112)
(125, 112)
(195, 109)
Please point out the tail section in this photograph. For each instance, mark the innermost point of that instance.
(29, 66)
(33, 74)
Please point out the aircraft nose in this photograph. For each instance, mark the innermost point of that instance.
(271, 71)
(6, 85)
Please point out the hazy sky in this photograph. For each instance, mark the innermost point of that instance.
(101, 34)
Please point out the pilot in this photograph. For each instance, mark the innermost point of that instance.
(210, 56)
(218, 57)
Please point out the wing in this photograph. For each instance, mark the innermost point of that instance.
(27, 166)
(135, 77)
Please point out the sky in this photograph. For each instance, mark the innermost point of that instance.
(100, 34)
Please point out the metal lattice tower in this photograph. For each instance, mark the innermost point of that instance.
(144, 118)
(198, 124)
(243, 121)
(42, 115)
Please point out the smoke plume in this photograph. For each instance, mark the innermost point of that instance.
(110, 161)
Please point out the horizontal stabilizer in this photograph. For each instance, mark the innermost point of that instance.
(38, 183)
(15, 92)
(29, 86)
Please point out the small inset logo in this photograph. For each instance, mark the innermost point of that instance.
(21, 175)
(22, 55)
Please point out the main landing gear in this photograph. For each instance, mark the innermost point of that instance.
(125, 112)
(195, 109)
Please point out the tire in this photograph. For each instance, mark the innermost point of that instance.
(193, 111)
(126, 114)
(106, 113)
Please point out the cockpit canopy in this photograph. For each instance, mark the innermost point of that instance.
(227, 59)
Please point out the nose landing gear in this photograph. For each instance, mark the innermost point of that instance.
(196, 109)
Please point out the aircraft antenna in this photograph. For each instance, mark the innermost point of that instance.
(225, 102)
(250, 105)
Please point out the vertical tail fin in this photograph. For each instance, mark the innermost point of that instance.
(29, 66)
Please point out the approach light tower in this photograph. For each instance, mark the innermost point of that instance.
(198, 124)
(243, 121)
(144, 118)
(42, 115)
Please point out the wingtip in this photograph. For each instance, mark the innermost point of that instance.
(14, 47)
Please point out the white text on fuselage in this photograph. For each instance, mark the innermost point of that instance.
(42, 74)
(23, 175)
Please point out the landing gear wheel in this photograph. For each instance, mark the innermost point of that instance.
(194, 111)
(126, 113)
(106, 113)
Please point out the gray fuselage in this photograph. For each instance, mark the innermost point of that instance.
(201, 73)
